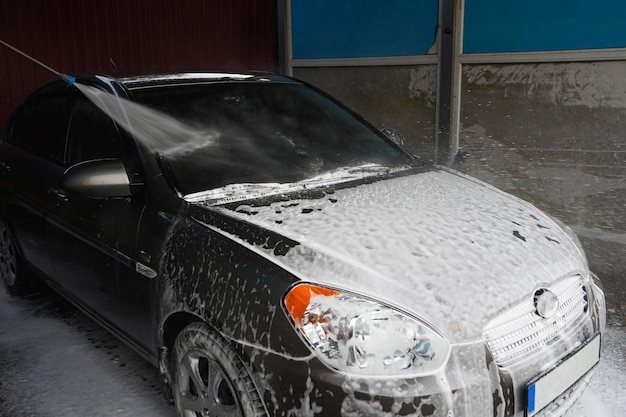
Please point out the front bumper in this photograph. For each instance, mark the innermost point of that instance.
(472, 383)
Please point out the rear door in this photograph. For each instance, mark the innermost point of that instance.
(93, 241)
(34, 148)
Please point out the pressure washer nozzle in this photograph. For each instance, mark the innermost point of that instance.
(69, 80)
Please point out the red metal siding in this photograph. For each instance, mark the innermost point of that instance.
(89, 35)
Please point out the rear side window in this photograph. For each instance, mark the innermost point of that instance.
(40, 124)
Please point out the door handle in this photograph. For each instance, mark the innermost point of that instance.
(59, 194)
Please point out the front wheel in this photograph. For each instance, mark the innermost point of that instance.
(210, 379)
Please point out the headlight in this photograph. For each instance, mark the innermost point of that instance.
(598, 298)
(356, 335)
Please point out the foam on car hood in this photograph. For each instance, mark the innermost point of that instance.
(440, 245)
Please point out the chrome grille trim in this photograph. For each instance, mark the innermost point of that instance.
(519, 332)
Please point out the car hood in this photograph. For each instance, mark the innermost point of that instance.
(440, 245)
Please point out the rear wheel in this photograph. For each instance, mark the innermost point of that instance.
(210, 378)
(11, 268)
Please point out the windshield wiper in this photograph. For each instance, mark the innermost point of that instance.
(236, 191)
(348, 174)
(244, 191)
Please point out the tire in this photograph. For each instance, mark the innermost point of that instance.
(209, 377)
(14, 275)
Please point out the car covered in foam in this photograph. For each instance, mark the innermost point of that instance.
(273, 254)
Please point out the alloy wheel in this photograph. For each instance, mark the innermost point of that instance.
(204, 390)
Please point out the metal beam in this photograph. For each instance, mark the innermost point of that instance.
(282, 35)
(449, 81)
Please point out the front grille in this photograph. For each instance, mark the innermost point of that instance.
(519, 331)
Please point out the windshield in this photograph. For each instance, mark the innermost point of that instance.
(264, 132)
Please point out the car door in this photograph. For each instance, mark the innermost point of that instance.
(93, 241)
(34, 147)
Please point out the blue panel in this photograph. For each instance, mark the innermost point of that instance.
(531, 399)
(540, 25)
(362, 28)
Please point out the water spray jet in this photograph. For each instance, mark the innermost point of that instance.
(68, 78)
(153, 128)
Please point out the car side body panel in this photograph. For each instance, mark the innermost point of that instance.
(24, 198)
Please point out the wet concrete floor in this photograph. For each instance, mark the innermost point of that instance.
(56, 362)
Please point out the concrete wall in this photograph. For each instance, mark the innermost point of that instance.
(553, 133)
(400, 97)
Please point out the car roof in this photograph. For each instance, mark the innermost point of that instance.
(137, 81)
(145, 80)
(204, 77)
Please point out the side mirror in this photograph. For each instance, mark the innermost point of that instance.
(100, 178)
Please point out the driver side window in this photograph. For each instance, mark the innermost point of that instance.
(92, 134)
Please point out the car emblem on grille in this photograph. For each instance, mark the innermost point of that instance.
(546, 303)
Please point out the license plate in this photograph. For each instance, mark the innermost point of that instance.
(544, 389)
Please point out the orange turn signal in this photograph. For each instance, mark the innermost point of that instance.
(298, 299)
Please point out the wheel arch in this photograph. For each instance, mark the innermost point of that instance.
(173, 325)
(168, 331)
